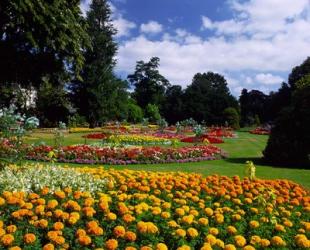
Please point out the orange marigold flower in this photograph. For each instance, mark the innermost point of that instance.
(58, 226)
(15, 248)
(29, 238)
(119, 231)
(48, 246)
(7, 239)
(254, 224)
(84, 240)
(111, 244)
(11, 229)
(277, 241)
(130, 236)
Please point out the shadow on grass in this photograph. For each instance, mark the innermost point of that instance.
(243, 160)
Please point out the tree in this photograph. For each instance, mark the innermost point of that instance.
(207, 97)
(101, 96)
(135, 113)
(43, 35)
(52, 104)
(299, 72)
(152, 113)
(232, 117)
(253, 103)
(150, 85)
(173, 105)
(289, 142)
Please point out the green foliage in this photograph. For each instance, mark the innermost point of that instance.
(257, 120)
(43, 35)
(289, 142)
(135, 113)
(101, 96)
(77, 121)
(149, 84)
(207, 97)
(162, 123)
(232, 117)
(52, 104)
(152, 113)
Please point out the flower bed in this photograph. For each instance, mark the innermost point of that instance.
(95, 136)
(132, 139)
(220, 132)
(119, 155)
(147, 210)
(260, 131)
(203, 138)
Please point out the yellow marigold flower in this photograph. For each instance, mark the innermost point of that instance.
(165, 215)
(2, 232)
(180, 211)
(209, 211)
(206, 246)
(280, 228)
(173, 224)
(161, 246)
(231, 230)
(7, 239)
(211, 239)
(180, 232)
(48, 246)
(188, 219)
(254, 210)
(214, 231)
(84, 240)
(236, 217)
(254, 224)
(248, 201)
(58, 226)
(11, 229)
(2, 201)
(230, 247)
(184, 247)
(130, 236)
(192, 232)
(203, 221)
(111, 216)
(255, 240)
(277, 241)
(111, 244)
(220, 243)
(240, 241)
(248, 247)
(302, 241)
(29, 238)
(287, 223)
(219, 218)
(15, 248)
(119, 231)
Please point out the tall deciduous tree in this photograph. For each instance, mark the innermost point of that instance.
(39, 38)
(207, 97)
(100, 95)
(149, 84)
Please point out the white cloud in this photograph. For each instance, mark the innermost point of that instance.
(123, 26)
(206, 23)
(151, 27)
(269, 36)
(268, 79)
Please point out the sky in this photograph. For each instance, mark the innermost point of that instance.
(253, 43)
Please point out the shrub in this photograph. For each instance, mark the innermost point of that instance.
(232, 117)
(289, 142)
(152, 112)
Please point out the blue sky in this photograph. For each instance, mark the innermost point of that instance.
(253, 43)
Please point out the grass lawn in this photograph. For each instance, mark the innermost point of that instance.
(246, 147)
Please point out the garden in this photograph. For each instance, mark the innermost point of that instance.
(99, 150)
(142, 186)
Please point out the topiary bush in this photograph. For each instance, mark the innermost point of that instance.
(289, 142)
